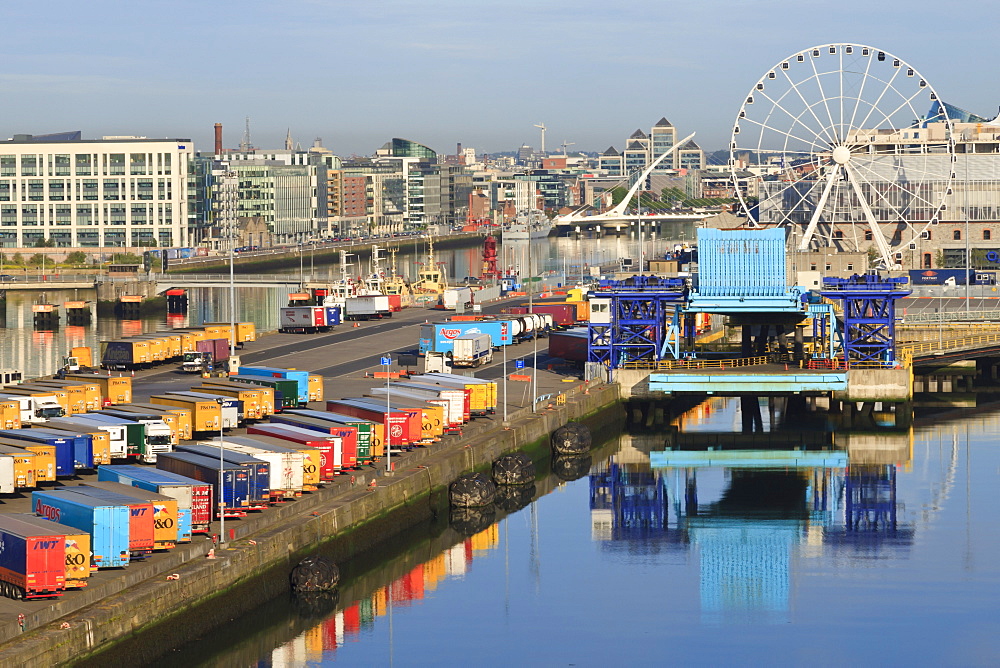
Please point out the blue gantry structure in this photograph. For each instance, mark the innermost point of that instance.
(741, 275)
(869, 315)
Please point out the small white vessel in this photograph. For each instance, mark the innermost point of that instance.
(532, 224)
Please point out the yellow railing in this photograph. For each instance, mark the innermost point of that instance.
(965, 342)
(672, 365)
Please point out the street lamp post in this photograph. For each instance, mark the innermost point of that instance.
(505, 344)
(534, 338)
(387, 362)
(222, 472)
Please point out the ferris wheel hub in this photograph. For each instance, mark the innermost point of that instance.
(841, 155)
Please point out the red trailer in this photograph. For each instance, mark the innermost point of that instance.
(351, 455)
(570, 345)
(330, 447)
(395, 303)
(563, 315)
(402, 431)
(219, 348)
(32, 561)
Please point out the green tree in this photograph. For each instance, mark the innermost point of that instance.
(45, 243)
(36, 260)
(125, 258)
(17, 258)
(76, 257)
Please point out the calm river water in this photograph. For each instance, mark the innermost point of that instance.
(883, 555)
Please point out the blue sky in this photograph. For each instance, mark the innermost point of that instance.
(479, 72)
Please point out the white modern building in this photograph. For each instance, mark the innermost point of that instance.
(78, 193)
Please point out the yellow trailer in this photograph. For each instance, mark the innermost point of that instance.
(157, 347)
(170, 344)
(265, 394)
(315, 387)
(220, 331)
(10, 414)
(55, 394)
(482, 393)
(253, 408)
(45, 458)
(114, 389)
(76, 395)
(205, 415)
(25, 466)
(93, 400)
(245, 331)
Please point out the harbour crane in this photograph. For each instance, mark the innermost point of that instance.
(541, 125)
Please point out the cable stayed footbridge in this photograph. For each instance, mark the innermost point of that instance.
(619, 214)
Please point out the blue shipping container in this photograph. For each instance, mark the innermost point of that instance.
(332, 315)
(258, 469)
(83, 447)
(65, 458)
(235, 492)
(107, 524)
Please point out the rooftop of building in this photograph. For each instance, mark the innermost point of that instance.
(76, 137)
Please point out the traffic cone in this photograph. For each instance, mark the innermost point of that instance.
(357, 324)
(211, 554)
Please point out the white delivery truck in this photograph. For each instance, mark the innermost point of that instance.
(367, 307)
(453, 297)
(472, 350)
(36, 409)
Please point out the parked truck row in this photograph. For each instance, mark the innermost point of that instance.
(132, 510)
(172, 346)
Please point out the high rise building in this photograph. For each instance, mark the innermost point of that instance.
(663, 138)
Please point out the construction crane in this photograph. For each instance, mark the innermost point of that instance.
(542, 127)
(564, 145)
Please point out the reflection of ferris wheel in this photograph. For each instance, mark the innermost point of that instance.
(850, 148)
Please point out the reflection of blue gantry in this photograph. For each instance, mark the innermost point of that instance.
(636, 498)
(869, 316)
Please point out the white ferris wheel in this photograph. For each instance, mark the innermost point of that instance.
(849, 147)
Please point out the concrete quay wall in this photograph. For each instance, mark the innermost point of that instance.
(145, 597)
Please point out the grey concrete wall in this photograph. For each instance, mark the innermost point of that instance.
(878, 385)
(144, 596)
